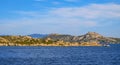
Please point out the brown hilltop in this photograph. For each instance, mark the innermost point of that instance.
(88, 37)
(93, 35)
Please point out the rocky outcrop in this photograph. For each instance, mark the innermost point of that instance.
(88, 37)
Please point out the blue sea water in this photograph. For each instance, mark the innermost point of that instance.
(60, 55)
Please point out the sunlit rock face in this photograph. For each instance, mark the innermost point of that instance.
(88, 37)
(93, 35)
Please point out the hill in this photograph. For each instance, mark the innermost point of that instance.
(88, 37)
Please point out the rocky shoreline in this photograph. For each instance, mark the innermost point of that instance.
(59, 43)
(89, 39)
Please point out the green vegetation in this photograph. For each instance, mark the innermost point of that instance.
(89, 39)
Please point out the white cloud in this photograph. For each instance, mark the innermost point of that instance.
(90, 15)
(91, 23)
(66, 18)
(92, 11)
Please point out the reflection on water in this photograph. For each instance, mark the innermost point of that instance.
(60, 55)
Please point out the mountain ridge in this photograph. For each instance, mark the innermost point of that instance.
(88, 39)
(90, 36)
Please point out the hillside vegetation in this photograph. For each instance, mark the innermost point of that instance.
(89, 39)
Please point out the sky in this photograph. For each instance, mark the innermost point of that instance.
(74, 17)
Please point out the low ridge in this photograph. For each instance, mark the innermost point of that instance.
(88, 39)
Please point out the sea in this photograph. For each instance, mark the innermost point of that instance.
(81, 55)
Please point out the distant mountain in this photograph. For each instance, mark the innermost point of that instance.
(38, 35)
(4, 35)
(88, 37)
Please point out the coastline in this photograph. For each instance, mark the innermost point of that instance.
(53, 44)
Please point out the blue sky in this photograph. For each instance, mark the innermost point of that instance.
(75, 17)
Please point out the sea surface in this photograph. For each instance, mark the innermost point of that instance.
(60, 55)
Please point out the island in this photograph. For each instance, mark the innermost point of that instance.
(88, 39)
